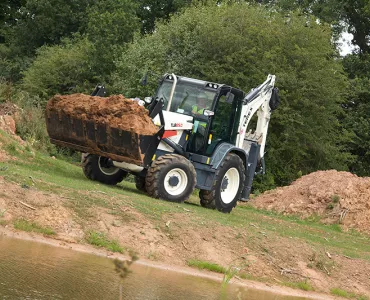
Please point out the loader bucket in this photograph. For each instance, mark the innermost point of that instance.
(101, 139)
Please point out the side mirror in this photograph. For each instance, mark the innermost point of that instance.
(229, 97)
(99, 91)
(208, 113)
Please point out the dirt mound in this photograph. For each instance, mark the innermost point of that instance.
(7, 124)
(7, 111)
(335, 196)
(116, 110)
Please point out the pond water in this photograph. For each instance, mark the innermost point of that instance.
(31, 270)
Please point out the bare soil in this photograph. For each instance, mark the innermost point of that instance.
(116, 111)
(336, 197)
(274, 260)
(7, 124)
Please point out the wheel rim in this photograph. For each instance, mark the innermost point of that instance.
(230, 185)
(102, 162)
(175, 182)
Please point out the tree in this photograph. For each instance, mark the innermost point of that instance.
(41, 22)
(152, 11)
(239, 44)
(26, 25)
(111, 24)
(80, 61)
(357, 14)
(9, 13)
(357, 111)
(353, 15)
(10, 62)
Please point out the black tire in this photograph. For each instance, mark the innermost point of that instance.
(176, 186)
(95, 168)
(140, 183)
(215, 198)
(206, 199)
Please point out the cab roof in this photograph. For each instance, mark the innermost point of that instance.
(208, 85)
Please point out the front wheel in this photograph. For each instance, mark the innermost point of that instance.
(99, 168)
(227, 186)
(171, 177)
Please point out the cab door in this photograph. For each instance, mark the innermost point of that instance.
(225, 121)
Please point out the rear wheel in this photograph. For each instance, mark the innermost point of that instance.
(227, 186)
(206, 199)
(171, 177)
(100, 168)
(140, 183)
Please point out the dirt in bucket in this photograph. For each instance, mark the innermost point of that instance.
(116, 111)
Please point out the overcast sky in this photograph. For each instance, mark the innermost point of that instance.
(346, 46)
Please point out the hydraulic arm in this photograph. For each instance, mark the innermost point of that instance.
(257, 100)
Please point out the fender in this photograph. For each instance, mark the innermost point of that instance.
(222, 150)
(249, 159)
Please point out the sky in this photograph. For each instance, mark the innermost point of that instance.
(346, 46)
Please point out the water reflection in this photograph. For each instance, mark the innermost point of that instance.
(30, 270)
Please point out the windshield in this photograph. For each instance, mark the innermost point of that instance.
(188, 97)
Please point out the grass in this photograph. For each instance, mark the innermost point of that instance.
(229, 274)
(25, 225)
(335, 198)
(345, 294)
(12, 148)
(205, 265)
(302, 285)
(100, 239)
(341, 293)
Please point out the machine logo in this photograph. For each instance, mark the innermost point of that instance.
(246, 117)
(177, 124)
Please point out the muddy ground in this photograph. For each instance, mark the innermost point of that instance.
(116, 111)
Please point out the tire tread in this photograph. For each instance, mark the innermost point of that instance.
(91, 170)
(152, 178)
(208, 198)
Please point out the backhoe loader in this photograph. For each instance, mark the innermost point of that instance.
(207, 147)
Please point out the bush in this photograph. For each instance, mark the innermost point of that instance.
(60, 69)
(5, 90)
(12, 64)
(30, 119)
(31, 126)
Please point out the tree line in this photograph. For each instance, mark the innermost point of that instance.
(54, 46)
